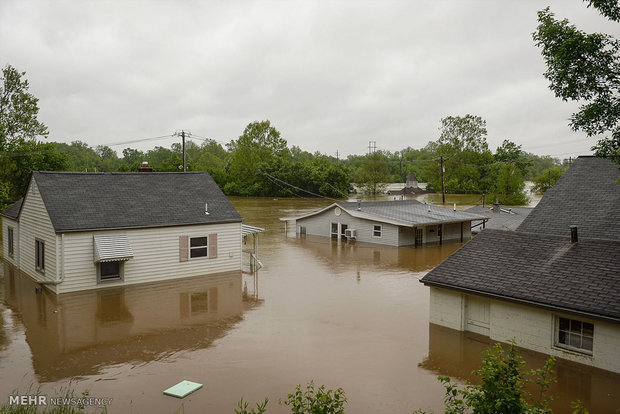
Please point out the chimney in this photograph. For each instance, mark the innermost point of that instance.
(573, 234)
(145, 167)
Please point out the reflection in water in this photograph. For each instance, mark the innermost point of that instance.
(76, 334)
(458, 354)
(342, 255)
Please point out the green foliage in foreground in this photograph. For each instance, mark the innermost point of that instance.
(311, 401)
(547, 179)
(503, 387)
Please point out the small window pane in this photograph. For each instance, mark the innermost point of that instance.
(588, 329)
(575, 326)
(198, 241)
(562, 338)
(110, 270)
(587, 343)
(564, 324)
(575, 340)
(199, 252)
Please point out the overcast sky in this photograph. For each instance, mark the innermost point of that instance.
(329, 75)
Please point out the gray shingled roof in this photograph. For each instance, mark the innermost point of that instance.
(89, 201)
(586, 196)
(12, 211)
(399, 212)
(544, 270)
(501, 220)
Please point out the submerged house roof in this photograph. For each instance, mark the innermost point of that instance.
(586, 196)
(96, 201)
(505, 219)
(543, 270)
(537, 264)
(12, 211)
(399, 212)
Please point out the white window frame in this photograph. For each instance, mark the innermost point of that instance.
(11, 241)
(121, 272)
(375, 231)
(197, 248)
(571, 332)
(331, 230)
(39, 255)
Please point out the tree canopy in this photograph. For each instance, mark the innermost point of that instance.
(585, 67)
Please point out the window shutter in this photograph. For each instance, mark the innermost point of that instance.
(212, 246)
(183, 248)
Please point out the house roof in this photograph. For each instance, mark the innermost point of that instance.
(96, 201)
(536, 269)
(399, 212)
(586, 196)
(12, 211)
(502, 220)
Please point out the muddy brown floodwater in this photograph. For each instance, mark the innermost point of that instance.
(344, 315)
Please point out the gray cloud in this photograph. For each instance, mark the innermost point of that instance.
(329, 75)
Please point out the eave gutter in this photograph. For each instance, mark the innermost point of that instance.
(524, 302)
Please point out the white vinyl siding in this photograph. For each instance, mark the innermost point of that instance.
(6, 224)
(156, 255)
(34, 224)
(531, 327)
(321, 225)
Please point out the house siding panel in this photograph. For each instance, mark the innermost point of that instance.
(35, 223)
(6, 223)
(531, 328)
(156, 255)
(319, 225)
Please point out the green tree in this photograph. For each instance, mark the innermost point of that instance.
(511, 153)
(373, 172)
(257, 146)
(23, 158)
(108, 159)
(585, 67)
(132, 160)
(547, 179)
(18, 109)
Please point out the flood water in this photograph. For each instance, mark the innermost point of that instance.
(345, 315)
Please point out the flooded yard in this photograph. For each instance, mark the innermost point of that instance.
(344, 315)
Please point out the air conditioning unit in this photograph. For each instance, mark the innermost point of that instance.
(350, 233)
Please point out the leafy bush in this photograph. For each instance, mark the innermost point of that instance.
(316, 401)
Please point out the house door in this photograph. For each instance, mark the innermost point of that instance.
(477, 315)
(334, 230)
(343, 228)
(419, 237)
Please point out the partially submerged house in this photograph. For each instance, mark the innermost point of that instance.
(553, 284)
(411, 187)
(394, 223)
(500, 218)
(78, 231)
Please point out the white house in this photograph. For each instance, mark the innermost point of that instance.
(78, 231)
(394, 223)
(553, 285)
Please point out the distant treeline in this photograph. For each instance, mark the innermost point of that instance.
(260, 163)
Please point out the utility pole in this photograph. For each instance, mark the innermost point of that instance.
(337, 156)
(443, 188)
(549, 178)
(182, 134)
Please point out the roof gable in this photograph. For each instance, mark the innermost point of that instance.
(96, 201)
(12, 211)
(586, 196)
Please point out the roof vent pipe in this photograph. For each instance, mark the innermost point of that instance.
(359, 205)
(454, 206)
(573, 234)
(206, 208)
(429, 208)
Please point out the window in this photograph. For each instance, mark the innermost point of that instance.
(39, 255)
(199, 247)
(574, 335)
(112, 270)
(419, 237)
(377, 229)
(11, 245)
(334, 227)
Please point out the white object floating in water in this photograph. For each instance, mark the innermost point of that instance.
(183, 389)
